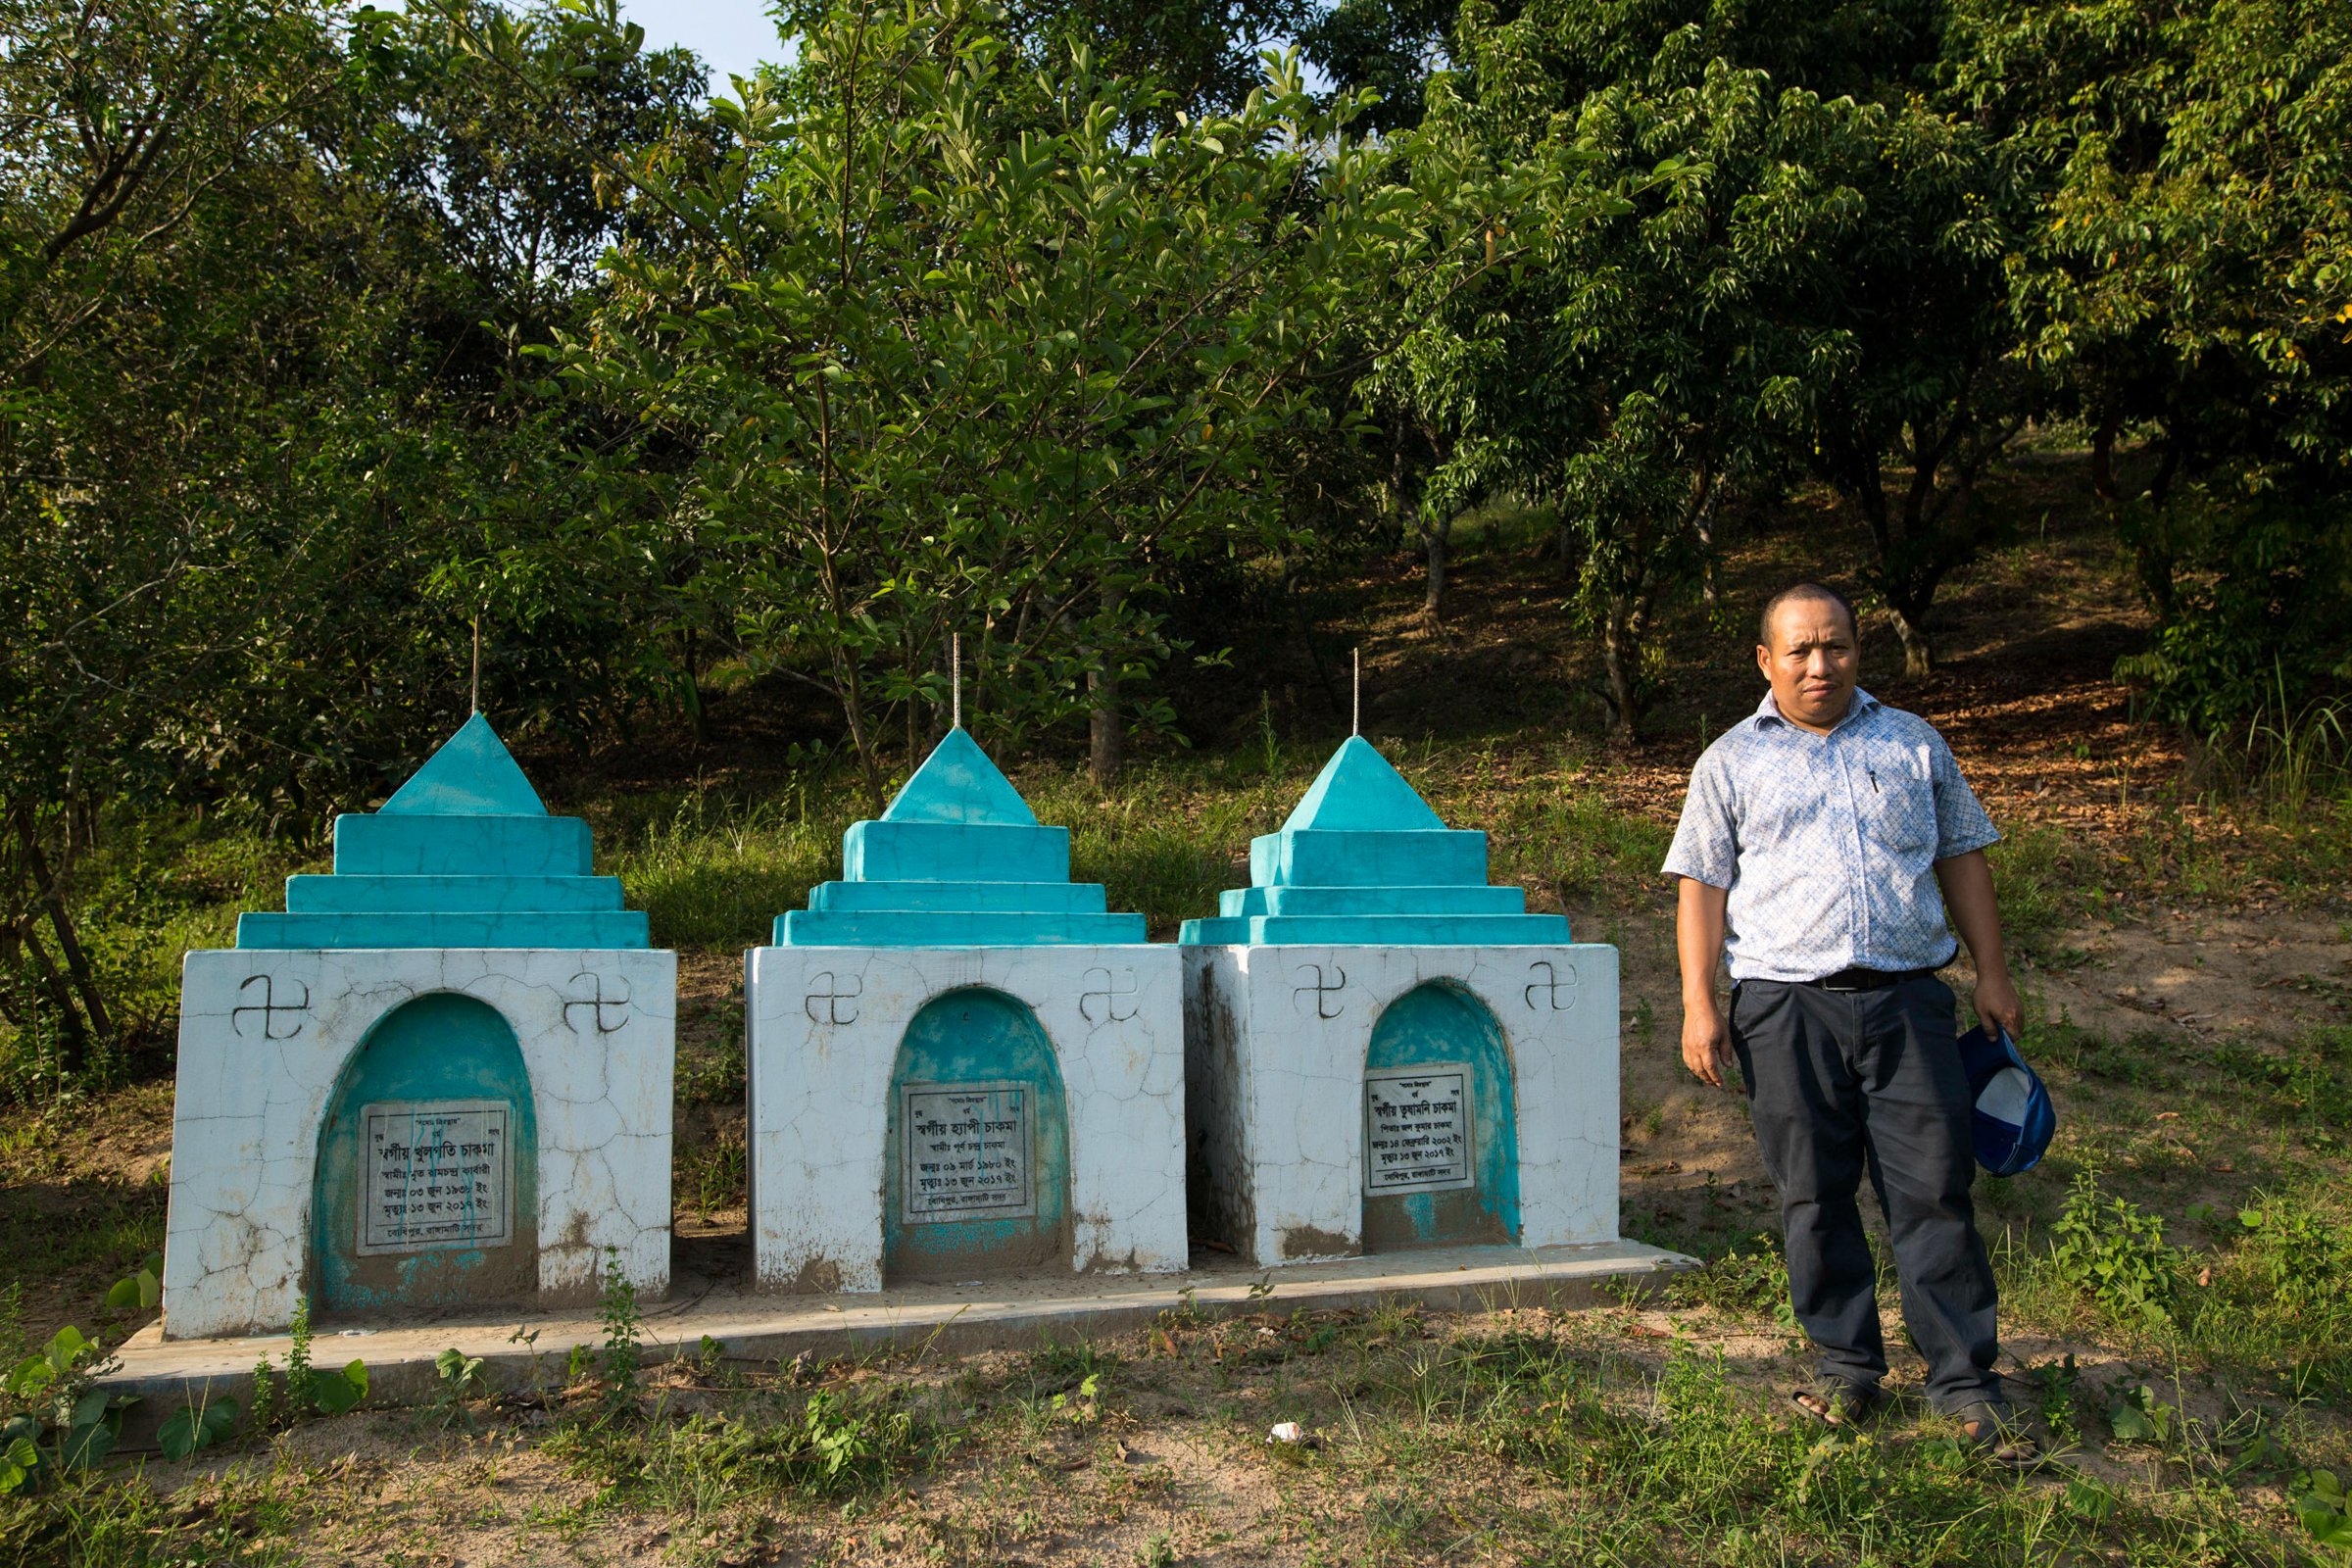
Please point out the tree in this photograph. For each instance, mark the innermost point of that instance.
(121, 128)
(258, 451)
(2183, 291)
(952, 352)
(1670, 308)
(1389, 47)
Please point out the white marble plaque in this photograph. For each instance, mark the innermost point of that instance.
(967, 1152)
(1417, 1129)
(435, 1173)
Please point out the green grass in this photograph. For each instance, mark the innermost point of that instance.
(712, 872)
(97, 1521)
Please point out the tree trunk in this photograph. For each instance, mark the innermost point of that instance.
(61, 920)
(72, 1034)
(693, 655)
(1434, 536)
(1105, 727)
(1621, 659)
(1910, 624)
(853, 708)
(2103, 469)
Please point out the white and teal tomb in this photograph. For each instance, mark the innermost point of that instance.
(962, 1065)
(1385, 1051)
(439, 1080)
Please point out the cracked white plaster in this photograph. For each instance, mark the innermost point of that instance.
(1274, 1088)
(254, 1086)
(818, 1097)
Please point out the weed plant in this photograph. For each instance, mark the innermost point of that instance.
(624, 1325)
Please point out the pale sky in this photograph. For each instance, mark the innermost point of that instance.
(731, 35)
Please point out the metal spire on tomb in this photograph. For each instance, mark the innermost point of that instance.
(464, 855)
(1363, 859)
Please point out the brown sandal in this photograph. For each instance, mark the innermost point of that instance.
(1996, 1432)
(1839, 1402)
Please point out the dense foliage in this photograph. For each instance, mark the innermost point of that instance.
(333, 339)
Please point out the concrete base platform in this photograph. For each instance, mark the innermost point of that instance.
(533, 1350)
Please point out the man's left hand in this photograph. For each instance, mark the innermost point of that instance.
(1997, 1003)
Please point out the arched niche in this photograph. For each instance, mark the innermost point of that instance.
(976, 1152)
(427, 1178)
(1441, 1124)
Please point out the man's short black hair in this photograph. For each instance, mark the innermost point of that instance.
(1806, 590)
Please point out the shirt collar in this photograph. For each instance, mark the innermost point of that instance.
(1768, 711)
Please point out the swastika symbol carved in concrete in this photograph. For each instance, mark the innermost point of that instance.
(270, 1007)
(829, 993)
(1323, 989)
(1112, 995)
(596, 1001)
(1548, 980)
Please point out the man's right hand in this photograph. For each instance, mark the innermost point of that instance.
(1706, 1042)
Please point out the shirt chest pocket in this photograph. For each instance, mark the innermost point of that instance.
(1898, 809)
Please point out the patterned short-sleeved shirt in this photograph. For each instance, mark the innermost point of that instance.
(1828, 843)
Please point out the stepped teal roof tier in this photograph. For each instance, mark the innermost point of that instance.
(959, 860)
(463, 855)
(1364, 860)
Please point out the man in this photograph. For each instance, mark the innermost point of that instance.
(1814, 841)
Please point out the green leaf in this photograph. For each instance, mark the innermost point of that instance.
(32, 1377)
(123, 1296)
(85, 1446)
(2141, 1417)
(337, 1392)
(193, 1428)
(91, 1408)
(67, 1346)
(2087, 1499)
(18, 1459)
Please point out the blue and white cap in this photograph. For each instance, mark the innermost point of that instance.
(2013, 1119)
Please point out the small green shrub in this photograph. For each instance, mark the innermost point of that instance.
(623, 1326)
(2324, 1511)
(2302, 1255)
(1750, 1279)
(2115, 1257)
(458, 1379)
(52, 1416)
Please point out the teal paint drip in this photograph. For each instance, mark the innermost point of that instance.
(463, 855)
(1441, 1022)
(979, 1036)
(440, 1047)
(959, 860)
(1363, 859)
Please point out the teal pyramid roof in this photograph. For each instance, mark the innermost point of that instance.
(473, 774)
(463, 855)
(958, 783)
(1363, 859)
(959, 860)
(1358, 791)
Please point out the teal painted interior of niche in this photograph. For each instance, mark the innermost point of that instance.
(1440, 1022)
(1364, 859)
(436, 1046)
(957, 860)
(977, 1035)
(463, 855)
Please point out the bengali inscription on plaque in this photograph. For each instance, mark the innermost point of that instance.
(966, 1153)
(434, 1173)
(1417, 1129)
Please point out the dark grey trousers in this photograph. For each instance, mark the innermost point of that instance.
(1840, 1081)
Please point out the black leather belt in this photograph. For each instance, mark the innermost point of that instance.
(1867, 979)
